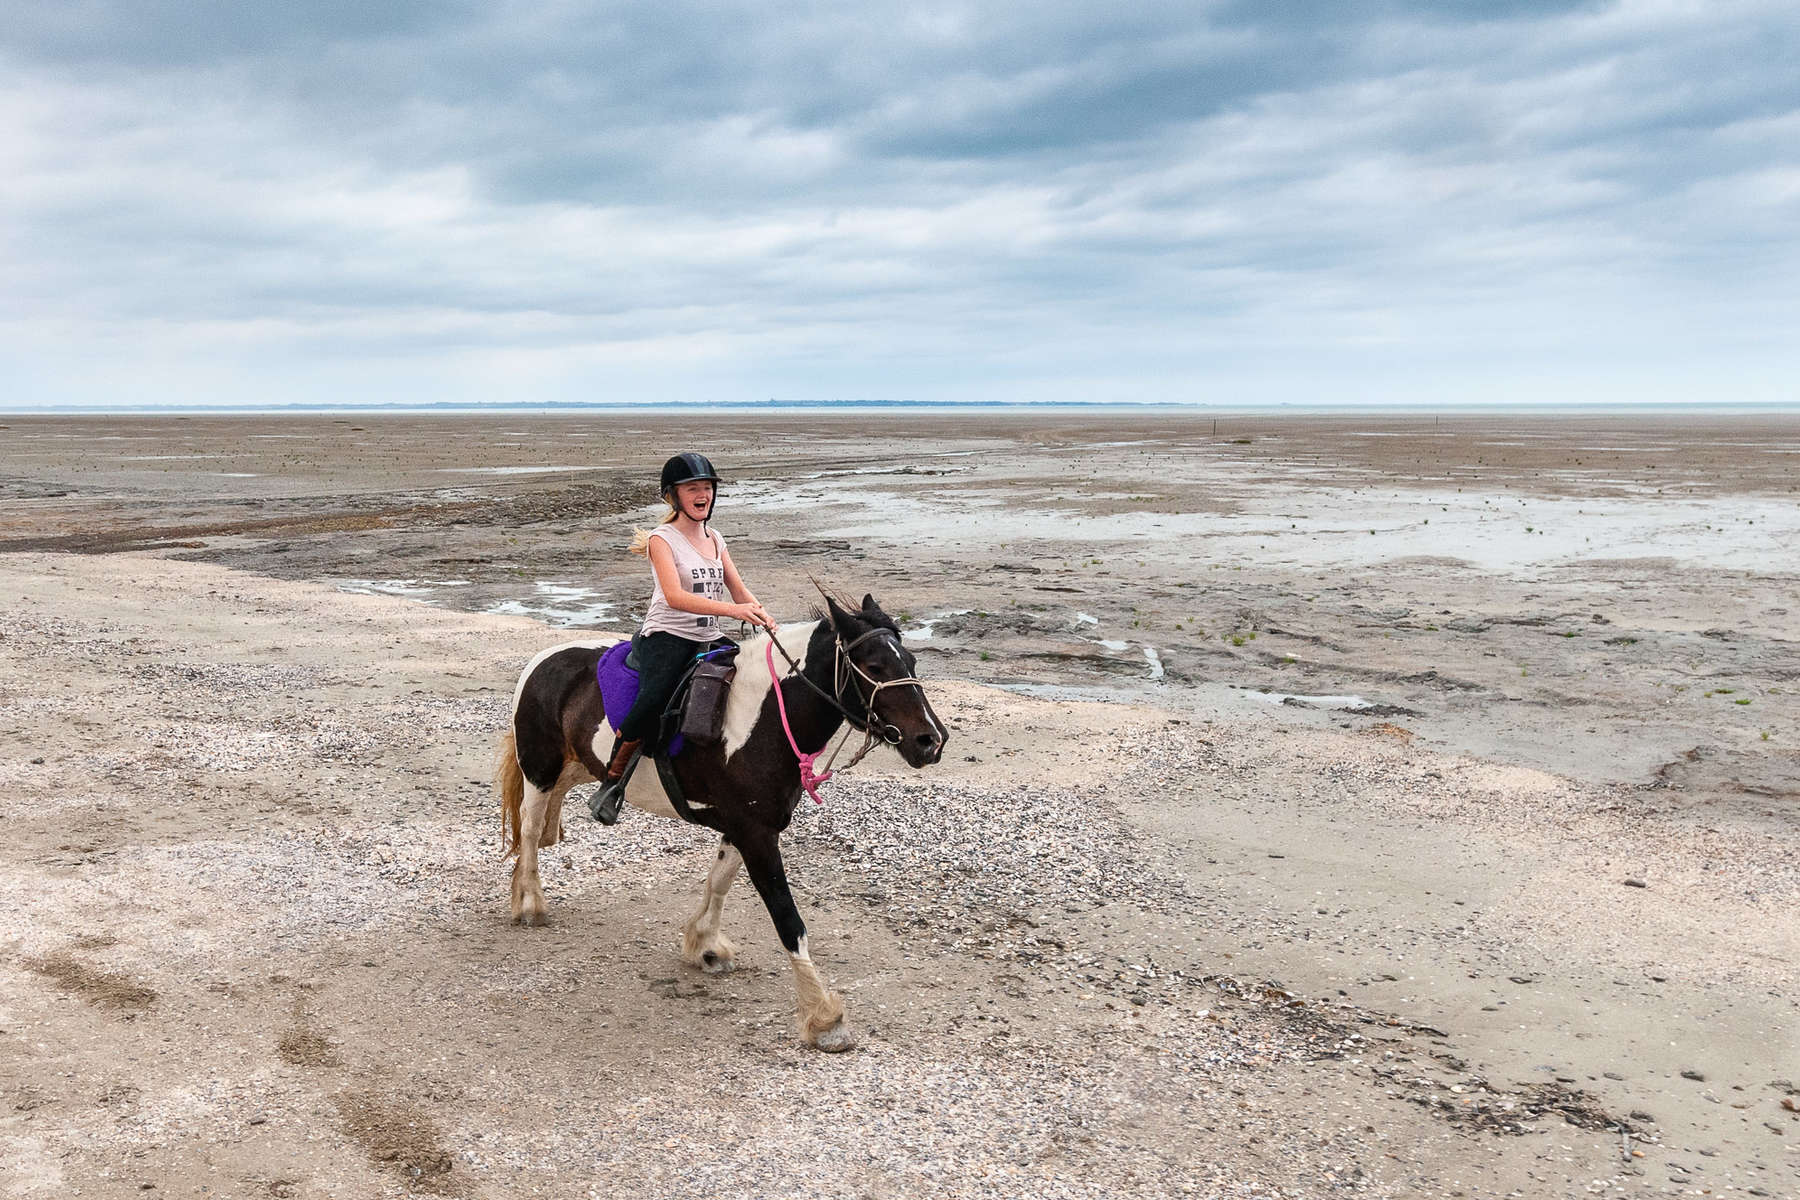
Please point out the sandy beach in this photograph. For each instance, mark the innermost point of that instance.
(1372, 805)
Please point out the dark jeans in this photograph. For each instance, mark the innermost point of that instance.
(662, 658)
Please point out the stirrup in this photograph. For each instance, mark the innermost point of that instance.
(606, 803)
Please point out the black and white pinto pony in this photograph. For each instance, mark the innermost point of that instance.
(851, 666)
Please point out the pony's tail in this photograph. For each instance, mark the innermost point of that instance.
(509, 781)
(640, 538)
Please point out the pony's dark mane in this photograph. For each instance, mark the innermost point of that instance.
(851, 606)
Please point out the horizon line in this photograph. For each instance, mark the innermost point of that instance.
(581, 406)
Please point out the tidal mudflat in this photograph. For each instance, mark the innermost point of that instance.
(1397, 803)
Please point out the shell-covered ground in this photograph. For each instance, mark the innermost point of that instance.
(257, 944)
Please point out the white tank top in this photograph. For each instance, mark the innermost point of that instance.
(699, 575)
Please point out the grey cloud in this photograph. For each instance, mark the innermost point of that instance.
(176, 33)
(809, 188)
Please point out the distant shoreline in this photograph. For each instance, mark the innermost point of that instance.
(458, 408)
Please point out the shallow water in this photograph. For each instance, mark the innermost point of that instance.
(1344, 527)
(563, 605)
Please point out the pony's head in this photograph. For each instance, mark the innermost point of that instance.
(881, 681)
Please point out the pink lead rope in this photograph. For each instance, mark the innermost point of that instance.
(808, 779)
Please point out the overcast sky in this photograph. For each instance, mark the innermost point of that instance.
(230, 202)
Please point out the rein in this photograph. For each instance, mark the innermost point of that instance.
(810, 780)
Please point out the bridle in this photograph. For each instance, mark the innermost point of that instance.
(839, 677)
(809, 778)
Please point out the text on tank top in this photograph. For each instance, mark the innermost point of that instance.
(699, 575)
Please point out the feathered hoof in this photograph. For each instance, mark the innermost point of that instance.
(715, 963)
(534, 917)
(834, 1040)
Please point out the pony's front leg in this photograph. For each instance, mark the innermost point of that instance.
(701, 942)
(821, 1009)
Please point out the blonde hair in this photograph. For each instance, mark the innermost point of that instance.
(640, 538)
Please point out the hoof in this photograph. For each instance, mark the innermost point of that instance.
(835, 1040)
(534, 919)
(714, 963)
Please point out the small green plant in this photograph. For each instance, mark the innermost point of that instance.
(1523, 672)
(1571, 633)
(1745, 700)
(1237, 641)
(1765, 735)
(986, 657)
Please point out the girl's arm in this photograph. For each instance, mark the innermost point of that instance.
(662, 561)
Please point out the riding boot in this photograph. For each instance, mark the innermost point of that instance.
(607, 801)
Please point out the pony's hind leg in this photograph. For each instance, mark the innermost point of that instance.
(701, 942)
(528, 906)
(540, 814)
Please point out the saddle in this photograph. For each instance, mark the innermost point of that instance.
(696, 709)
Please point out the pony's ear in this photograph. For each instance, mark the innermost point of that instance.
(840, 618)
(871, 612)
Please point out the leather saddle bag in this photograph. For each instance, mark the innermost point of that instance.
(703, 717)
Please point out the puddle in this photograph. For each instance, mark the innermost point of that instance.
(564, 605)
(411, 589)
(1345, 703)
(923, 630)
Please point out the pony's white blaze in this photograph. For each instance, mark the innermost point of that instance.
(519, 687)
(943, 735)
(750, 687)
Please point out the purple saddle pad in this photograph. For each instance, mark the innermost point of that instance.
(619, 689)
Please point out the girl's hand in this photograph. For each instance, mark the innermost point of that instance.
(754, 614)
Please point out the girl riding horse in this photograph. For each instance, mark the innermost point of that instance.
(692, 574)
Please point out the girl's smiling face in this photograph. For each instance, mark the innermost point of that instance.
(694, 498)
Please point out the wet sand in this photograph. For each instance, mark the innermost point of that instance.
(1503, 582)
(1444, 692)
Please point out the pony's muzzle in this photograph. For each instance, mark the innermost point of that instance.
(927, 748)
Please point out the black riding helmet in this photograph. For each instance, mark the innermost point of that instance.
(688, 468)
